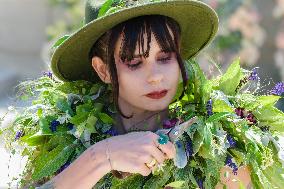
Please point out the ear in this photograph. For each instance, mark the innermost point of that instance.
(101, 68)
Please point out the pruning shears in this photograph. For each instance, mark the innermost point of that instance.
(173, 135)
(175, 132)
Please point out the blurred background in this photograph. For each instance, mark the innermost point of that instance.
(250, 29)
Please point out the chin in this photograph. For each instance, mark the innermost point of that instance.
(158, 107)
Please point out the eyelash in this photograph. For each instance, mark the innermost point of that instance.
(136, 66)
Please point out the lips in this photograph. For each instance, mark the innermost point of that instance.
(157, 94)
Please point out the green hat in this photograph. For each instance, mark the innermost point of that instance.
(198, 23)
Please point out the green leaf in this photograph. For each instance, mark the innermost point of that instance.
(90, 124)
(48, 163)
(105, 7)
(36, 139)
(246, 100)
(176, 184)
(157, 181)
(63, 105)
(39, 112)
(95, 88)
(218, 116)
(222, 106)
(238, 155)
(275, 174)
(98, 107)
(134, 181)
(269, 100)
(84, 108)
(208, 135)
(231, 79)
(60, 41)
(179, 91)
(80, 128)
(197, 141)
(270, 116)
(105, 118)
(44, 124)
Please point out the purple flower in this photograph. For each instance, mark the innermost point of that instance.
(231, 164)
(189, 148)
(254, 75)
(209, 107)
(240, 112)
(200, 183)
(278, 89)
(53, 125)
(167, 124)
(48, 74)
(70, 126)
(111, 132)
(19, 134)
(231, 141)
(251, 118)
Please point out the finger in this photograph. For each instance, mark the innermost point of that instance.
(141, 169)
(168, 149)
(143, 158)
(158, 154)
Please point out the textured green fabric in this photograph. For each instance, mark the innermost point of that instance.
(198, 22)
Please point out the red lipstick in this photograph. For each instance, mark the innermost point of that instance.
(157, 94)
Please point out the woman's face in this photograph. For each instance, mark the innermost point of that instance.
(158, 72)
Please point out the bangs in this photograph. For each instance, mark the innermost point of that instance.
(133, 34)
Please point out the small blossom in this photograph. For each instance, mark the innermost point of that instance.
(111, 132)
(169, 123)
(19, 134)
(240, 112)
(254, 75)
(231, 164)
(209, 107)
(47, 74)
(251, 118)
(53, 125)
(200, 183)
(189, 148)
(70, 126)
(278, 89)
(231, 141)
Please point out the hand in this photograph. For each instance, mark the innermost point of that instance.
(131, 152)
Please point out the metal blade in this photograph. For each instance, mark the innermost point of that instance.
(175, 132)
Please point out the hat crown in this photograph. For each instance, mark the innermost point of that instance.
(98, 8)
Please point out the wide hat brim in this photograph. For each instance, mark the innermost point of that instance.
(198, 23)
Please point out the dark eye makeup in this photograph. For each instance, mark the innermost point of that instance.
(136, 64)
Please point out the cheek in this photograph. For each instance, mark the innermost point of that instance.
(130, 83)
(172, 72)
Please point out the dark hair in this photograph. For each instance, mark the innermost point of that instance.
(133, 31)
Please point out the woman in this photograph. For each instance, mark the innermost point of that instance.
(139, 51)
(141, 59)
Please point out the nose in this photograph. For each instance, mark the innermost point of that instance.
(155, 75)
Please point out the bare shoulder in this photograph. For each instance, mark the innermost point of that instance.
(233, 181)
